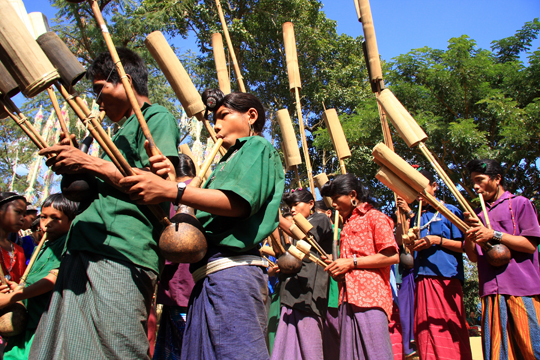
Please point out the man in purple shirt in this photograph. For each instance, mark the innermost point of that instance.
(510, 293)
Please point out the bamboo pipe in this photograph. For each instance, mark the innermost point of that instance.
(221, 64)
(457, 194)
(400, 185)
(125, 81)
(295, 84)
(23, 123)
(197, 181)
(179, 80)
(374, 63)
(305, 226)
(300, 255)
(231, 49)
(320, 180)
(276, 243)
(22, 282)
(273, 264)
(484, 210)
(337, 135)
(61, 120)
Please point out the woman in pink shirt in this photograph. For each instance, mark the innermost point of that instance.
(367, 251)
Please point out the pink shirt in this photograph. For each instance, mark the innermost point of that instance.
(367, 232)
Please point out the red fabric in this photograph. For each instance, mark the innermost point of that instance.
(367, 232)
(396, 334)
(152, 327)
(439, 320)
(19, 263)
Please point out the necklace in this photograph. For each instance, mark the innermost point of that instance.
(428, 224)
(11, 255)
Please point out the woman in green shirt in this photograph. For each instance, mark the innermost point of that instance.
(238, 208)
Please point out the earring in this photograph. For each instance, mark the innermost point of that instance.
(251, 131)
(354, 202)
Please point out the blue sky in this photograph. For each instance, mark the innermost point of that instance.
(402, 25)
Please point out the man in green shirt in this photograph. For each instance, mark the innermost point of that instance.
(107, 277)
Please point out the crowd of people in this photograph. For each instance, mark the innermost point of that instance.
(89, 293)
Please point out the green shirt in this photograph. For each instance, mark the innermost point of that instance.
(251, 169)
(333, 289)
(113, 226)
(48, 259)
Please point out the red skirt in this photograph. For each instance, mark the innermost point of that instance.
(439, 319)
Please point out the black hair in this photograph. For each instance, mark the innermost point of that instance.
(238, 101)
(59, 202)
(321, 205)
(103, 66)
(344, 184)
(35, 225)
(286, 213)
(8, 196)
(294, 196)
(185, 166)
(428, 175)
(490, 167)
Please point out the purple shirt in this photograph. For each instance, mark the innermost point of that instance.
(521, 277)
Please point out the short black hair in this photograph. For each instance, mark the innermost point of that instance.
(428, 175)
(185, 166)
(344, 184)
(35, 225)
(294, 196)
(59, 202)
(321, 205)
(103, 66)
(490, 167)
(239, 101)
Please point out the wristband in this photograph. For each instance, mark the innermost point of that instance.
(497, 236)
(410, 214)
(441, 241)
(181, 189)
(354, 261)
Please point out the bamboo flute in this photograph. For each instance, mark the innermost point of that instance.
(371, 55)
(231, 49)
(59, 115)
(295, 84)
(125, 80)
(22, 282)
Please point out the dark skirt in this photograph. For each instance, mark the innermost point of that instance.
(299, 336)
(227, 316)
(364, 334)
(406, 311)
(331, 334)
(170, 334)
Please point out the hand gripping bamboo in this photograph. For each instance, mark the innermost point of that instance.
(295, 84)
(22, 282)
(221, 64)
(178, 79)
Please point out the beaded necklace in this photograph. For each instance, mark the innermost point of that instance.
(12, 260)
(428, 224)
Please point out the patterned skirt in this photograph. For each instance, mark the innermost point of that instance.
(510, 327)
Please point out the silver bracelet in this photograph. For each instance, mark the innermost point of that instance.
(354, 260)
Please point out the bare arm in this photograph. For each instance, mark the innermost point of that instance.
(38, 288)
(148, 188)
(386, 257)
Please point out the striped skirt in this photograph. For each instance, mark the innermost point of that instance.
(510, 327)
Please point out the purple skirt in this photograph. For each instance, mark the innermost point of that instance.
(364, 334)
(331, 334)
(298, 337)
(406, 311)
